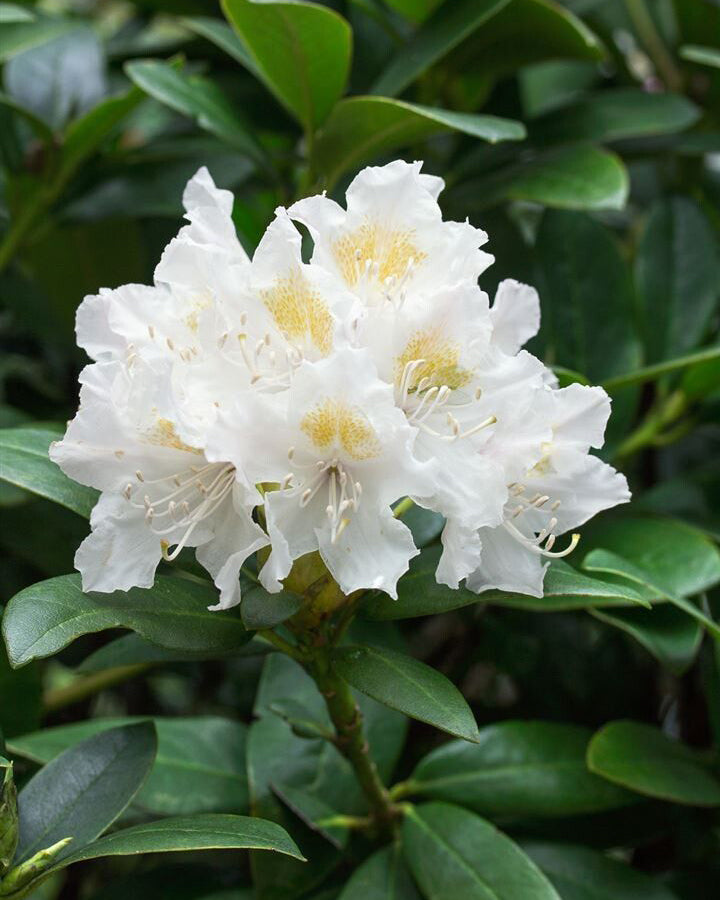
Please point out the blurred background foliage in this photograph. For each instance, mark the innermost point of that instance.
(584, 137)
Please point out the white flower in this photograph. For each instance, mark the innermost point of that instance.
(560, 492)
(391, 242)
(239, 403)
(157, 492)
(338, 452)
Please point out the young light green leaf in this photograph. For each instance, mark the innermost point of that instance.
(678, 277)
(19, 36)
(83, 790)
(383, 876)
(25, 463)
(361, 128)
(643, 759)
(408, 685)
(437, 37)
(44, 618)
(199, 767)
(301, 51)
(197, 97)
(587, 292)
(11, 13)
(454, 853)
(579, 873)
(704, 56)
(517, 769)
(575, 177)
(665, 631)
(613, 115)
(210, 831)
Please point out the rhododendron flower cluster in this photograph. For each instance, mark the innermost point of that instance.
(273, 404)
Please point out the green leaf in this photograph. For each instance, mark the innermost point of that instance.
(222, 35)
(313, 811)
(262, 610)
(419, 594)
(681, 558)
(612, 115)
(383, 876)
(10, 14)
(643, 759)
(20, 36)
(587, 292)
(360, 129)
(576, 177)
(522, 33)
(517, 769)
(132, 650)
(607, 561)
(84, 790)
(44, 618)
(408, 685)
(20, 698)
(25, 463)
(196, 97)
(667, 632)
(86, 133)
(199, 767)
(41, 129)
(579, 873)
(678, 277)
(704, 56)
(210, 831)
(437, 37)
(454, 853)
(301, 50)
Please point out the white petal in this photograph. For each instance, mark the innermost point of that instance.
(94, 332)
(373, 551)
(291, 530)
(236, 536)
(209, 210)
(121, 552)
(461, 553)
(515, 315)
(507, 565)
(579, 415)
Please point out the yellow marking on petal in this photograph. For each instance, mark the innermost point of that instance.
(441, 364)
(300, 312)
(192, 319)
(334, 422)
(391, 250)
(164, 435)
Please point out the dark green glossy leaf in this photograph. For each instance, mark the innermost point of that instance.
(222, 35)
(301, 51)
(437, 37)
(643, 759)
(408, 685)
(46, 617)
(517, 769)
(200, 763)
(577, 177)
(678, 277)
(665, 631)
(359, 129)
(314, 812)
(197, 97)
(210, 831)
(587, 292)
(383, 876)
(525, 32)
(83, 790)
(612, 115)
(454, 853)
(25, 463)
(133, 650)
(262, 610)
(579, 873)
